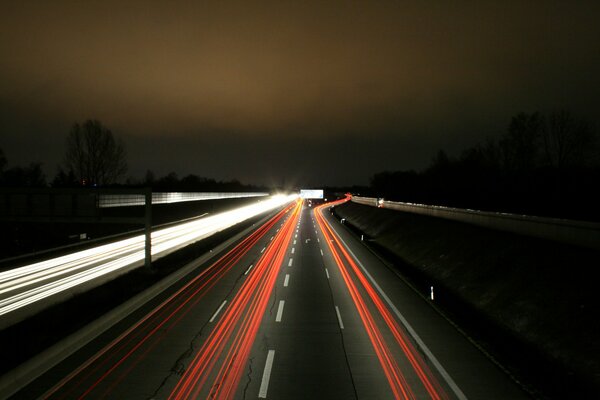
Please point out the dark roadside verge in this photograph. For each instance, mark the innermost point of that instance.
(529, 303)
(28, 338)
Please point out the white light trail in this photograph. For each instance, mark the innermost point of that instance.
(125, 200)
(26, 285)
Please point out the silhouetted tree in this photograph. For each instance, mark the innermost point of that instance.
(30, 176)
(168, 183)
(63, 179)
(568, 141)
(149, 178)
(545, 164)
(94, 155)
(519, 147)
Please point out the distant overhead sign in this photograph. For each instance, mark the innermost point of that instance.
(311, 193)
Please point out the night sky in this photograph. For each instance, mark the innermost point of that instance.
(281, 92)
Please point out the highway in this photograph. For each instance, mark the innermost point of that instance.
(298, 309)
(30, 288)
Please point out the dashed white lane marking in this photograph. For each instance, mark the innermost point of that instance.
(264, 384)
(263, 250)
(318, 241)
(294, 242)
(327, 273)
(316, 231)
(457, 391)
(293, 250)
(290, 263)
(321, 251)
(272, 237)
(295, 236)
(218, 311)
(286, 280)
(337, 311)
(280, 311)
(248, 270)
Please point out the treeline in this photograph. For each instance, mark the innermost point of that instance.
(33, 176)
(546, 164)
(94, 157)
(191, 183)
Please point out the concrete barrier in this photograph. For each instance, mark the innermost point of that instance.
(579, 233)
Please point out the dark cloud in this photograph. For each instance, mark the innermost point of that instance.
(240, 89)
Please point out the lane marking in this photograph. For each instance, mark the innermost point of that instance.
(264, 384)
(316, 231)
(272, 237)
(287, 280)
(293, 250)
(290, 263)
(337, 311)
(295, 236)
(280, 311)
(294, 242)
(318, 241)
(321, 252)
(263, 249)
(327, 273)
(249, 268)
(218, 311)
(459, 393)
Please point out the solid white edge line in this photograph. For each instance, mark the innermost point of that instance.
(286, 281)
(280, 311)
(290, 263)
(337, 311)
(327, 273)
(264, 384)
(459, 393)
(218, 311)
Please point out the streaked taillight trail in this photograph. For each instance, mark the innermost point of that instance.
(100, 376)
(357, 285)
(237, 327)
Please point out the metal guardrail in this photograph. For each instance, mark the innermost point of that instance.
(579, 233)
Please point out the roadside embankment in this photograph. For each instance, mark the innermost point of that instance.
(529, 302)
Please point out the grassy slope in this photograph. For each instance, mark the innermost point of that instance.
(537, 296)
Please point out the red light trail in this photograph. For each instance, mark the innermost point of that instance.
(243, 318)
(349, 269)
(117, 359)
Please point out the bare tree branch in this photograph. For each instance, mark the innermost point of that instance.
(94, 155)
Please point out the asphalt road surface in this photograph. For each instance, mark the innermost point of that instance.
(299, 309)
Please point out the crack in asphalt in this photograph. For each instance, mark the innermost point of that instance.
(249, 375)
(178, 368)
